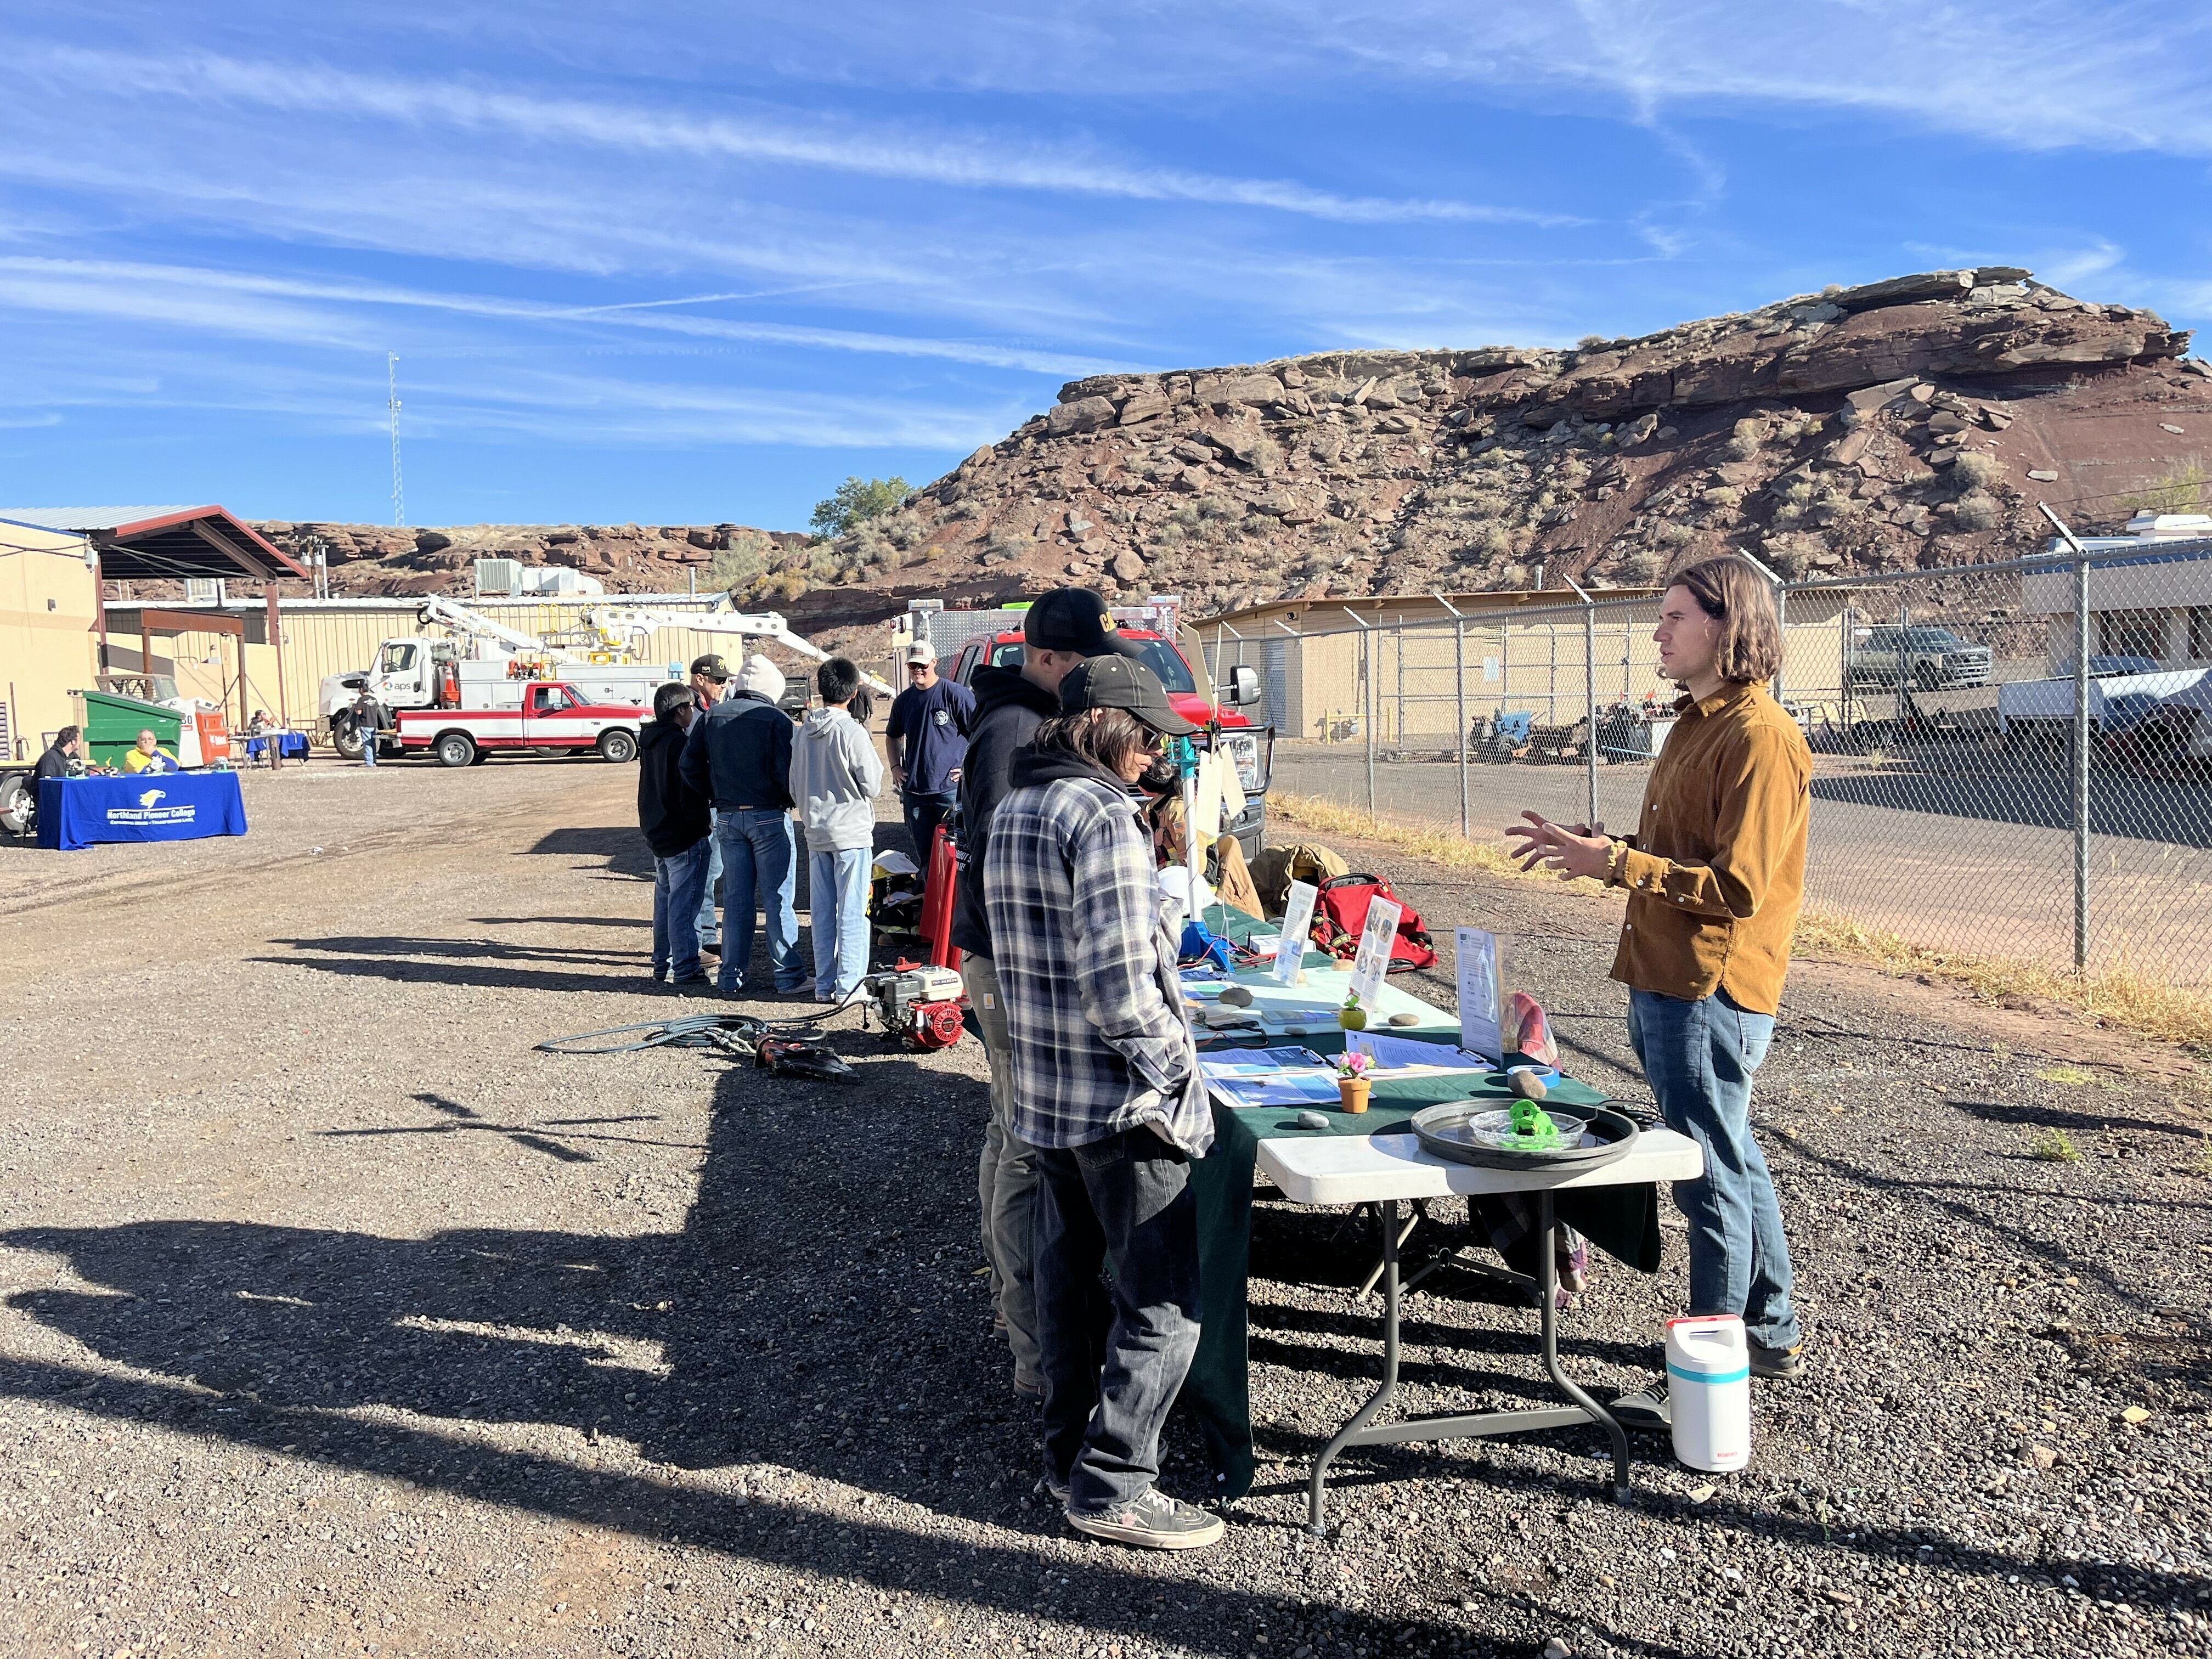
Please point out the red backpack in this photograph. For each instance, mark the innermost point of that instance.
(1340, 913)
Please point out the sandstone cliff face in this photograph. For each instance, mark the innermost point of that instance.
(1911, 422)
(1883, 427)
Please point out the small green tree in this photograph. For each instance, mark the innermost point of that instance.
(857, 501)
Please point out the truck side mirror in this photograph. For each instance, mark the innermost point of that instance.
(1243, 685)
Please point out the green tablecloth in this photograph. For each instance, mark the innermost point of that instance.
(1622, 1221)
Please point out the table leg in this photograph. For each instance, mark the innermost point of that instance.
(1419, 1214)
(1389, 1209)
(1547, 1303)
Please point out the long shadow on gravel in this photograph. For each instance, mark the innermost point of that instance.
(817, 1311)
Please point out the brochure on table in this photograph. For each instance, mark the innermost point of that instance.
(1269, 1076)
(1372, 960)
(1481, 959)
(1394, 1054)
(1297, 922)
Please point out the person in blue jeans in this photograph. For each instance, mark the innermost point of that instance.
(710, 679)
(927, 738)
(739, 754)
(1715, 877)
(835, 778)
(673, 817)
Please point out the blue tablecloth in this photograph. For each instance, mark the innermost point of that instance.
(290, 745)
(75, 812)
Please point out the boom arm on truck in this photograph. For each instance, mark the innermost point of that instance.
(462, 620)
(632, 629)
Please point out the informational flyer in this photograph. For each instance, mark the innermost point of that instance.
(1373, 959)
(1298, 923)
(1481, 993)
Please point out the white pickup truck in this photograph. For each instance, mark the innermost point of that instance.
(550, 717)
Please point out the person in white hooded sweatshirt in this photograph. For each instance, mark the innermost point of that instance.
(836, 776)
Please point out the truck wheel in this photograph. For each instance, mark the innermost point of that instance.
(619, 746)
(455, 749)
(19, 803)
(346, 739)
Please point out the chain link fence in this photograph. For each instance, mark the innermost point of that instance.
(2009, 759)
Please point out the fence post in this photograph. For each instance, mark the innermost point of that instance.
(2081, 740)
(1368, 703)
(1589, 695)
(1459, 701)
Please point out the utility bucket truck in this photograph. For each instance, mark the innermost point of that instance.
(483, 667)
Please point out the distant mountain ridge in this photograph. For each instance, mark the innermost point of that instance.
(1906, 423)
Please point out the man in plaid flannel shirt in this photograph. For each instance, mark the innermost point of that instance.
(1106, 1086)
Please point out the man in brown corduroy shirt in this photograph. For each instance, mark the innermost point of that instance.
(1716, 876)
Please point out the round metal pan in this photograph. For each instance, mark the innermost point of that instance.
(1442, 1130)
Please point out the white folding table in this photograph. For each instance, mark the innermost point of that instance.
(1389, 1169)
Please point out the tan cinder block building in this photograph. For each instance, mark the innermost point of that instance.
(49, 633)
(1414, 665)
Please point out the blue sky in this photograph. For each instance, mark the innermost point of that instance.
(678, 264)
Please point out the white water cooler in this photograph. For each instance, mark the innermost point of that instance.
(1709, 1391)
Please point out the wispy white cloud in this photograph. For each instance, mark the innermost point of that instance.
(236, 303)
(777, 138)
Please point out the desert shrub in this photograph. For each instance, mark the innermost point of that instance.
(856, 500)
(1493, 541)
(1746, 438)
(966, 510)
(742, 562)
(1218, 507)
(1674, 535)
(783, 587)
(1723, 495)
(2181, 491)
(1186, 515)
(1005, 540)
(1264, 456)
(1170, 534)
(1975, 467)
(1976, 510)
(1638, 569)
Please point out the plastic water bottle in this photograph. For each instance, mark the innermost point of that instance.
(1709, 1391)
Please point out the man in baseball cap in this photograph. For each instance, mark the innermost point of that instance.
(710, 678)
(1075, 619)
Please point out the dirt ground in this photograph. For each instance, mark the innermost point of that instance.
(339, 1321)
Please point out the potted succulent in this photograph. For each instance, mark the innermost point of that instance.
(1353, 1085)
(1352, 1017)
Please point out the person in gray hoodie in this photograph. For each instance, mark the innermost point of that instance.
(836, 776)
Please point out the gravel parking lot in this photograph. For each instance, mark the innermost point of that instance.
(338, 1320)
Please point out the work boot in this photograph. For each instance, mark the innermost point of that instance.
(1152, 1520)
(1781, 1364)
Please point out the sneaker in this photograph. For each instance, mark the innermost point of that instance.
(1781, 1364)
(1055, 1489)
(697, 985)
(1647, 1408)
(1152, 1520)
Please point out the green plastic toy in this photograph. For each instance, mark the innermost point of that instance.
(1534, 1125)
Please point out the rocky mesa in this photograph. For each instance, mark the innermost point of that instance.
(1911, 422)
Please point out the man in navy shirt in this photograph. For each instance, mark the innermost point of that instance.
(927, 737)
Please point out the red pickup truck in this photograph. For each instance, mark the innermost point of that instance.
(1252, 748)
(548, 715)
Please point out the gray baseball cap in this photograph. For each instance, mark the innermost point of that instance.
(1123, 683)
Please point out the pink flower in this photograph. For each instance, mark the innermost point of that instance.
(1353, 1065)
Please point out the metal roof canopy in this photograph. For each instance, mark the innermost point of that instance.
(166, 544)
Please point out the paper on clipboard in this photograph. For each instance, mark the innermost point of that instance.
(1373, 960)
(1297, 922)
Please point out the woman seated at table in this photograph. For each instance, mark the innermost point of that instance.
(147, 756)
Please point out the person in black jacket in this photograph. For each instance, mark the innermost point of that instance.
(1061, 629)
(65, 758)
(739, 754)
(675, 819)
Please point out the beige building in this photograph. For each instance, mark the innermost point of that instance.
(49, 633)
(1416, 665)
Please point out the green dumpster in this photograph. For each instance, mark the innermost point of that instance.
(112, 724)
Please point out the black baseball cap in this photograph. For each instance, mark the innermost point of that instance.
(712, 666)
(1123, 683)
(1075, 619)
